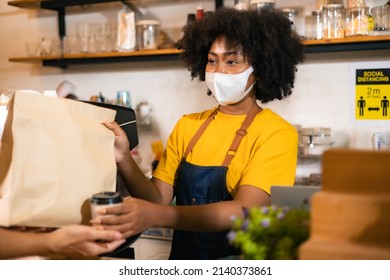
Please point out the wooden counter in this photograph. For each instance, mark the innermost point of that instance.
(350, 216)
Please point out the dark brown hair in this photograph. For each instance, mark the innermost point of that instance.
(266, 37)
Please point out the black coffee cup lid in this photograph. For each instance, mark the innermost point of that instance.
(106, 198)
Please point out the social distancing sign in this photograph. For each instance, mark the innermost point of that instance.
(372, 94)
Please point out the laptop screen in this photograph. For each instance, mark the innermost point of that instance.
(293, 197)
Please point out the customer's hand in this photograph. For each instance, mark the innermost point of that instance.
(133, 216)
(83, 241)
(122, 146)
(31, 229)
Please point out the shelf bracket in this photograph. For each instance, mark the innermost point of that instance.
(61, 22)
(134, 8)
(61, 16)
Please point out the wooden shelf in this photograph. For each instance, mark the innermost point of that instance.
(106, 57)
(312, 46)
(97, 55)
(357, 39)
(28, 4)
(357, 43)
(58, 4)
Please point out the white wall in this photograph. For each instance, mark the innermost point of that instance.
(322, 95)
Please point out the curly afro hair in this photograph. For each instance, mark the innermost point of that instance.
(266, 37)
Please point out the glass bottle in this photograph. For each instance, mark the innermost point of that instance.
(191, 18)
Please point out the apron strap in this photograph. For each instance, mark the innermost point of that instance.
(199, 133)
(240, 133)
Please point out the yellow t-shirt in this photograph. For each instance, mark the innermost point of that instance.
(267, 154)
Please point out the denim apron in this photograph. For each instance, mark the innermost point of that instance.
(198, 185)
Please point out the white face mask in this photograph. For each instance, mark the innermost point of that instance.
(229, 88)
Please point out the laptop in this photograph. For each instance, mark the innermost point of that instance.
(293, 197)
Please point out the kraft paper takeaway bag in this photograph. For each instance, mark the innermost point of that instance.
(54, 154)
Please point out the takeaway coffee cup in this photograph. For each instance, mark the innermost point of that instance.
(104, 200)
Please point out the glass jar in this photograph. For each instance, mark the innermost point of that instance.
(333, 21)
(261, 4)
(356, 21)
(291, 14)
(148, 34)
(123, 98)
(356, 3)
(322, 3)
(381, 17)
(313, 29)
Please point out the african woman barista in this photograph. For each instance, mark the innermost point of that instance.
(222, 160)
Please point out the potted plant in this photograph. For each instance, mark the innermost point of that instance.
(270, 233)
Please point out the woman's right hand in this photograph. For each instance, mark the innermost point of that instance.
(121, 145)
(133, 216)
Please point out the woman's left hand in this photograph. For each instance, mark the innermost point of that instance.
(133, 216)
(80, 240)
